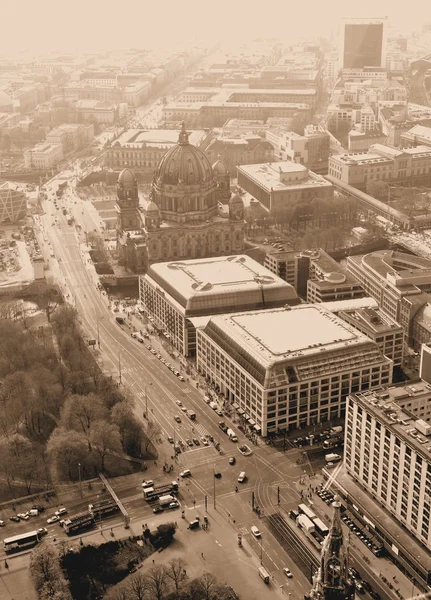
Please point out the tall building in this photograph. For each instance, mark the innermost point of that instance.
(332, 581)
(363, 43)
(13, 204)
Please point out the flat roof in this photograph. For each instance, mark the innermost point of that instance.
(161, 138)
(220, 284)
(307, 330)
(268, 176)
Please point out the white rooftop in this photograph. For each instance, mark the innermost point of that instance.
(270, 176)
(139, 138)
(273, 336)
(204, 285)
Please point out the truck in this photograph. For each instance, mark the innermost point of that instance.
(305, 523)
(191, 415)
(334, 431)
(79, 522)
(164, 501)
(332, 458)
(222, 425)
(232, 436)
(333, 442)
(103, 508)
(263, 574)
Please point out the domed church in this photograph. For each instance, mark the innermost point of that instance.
(184, 217)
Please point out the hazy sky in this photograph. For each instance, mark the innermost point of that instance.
(87, 25)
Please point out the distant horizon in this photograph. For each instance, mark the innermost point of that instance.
(96, 26)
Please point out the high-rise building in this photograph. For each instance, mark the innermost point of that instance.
(332, 581)
(363, 43)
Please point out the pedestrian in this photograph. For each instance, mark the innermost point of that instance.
(153, 562)
(202, 554)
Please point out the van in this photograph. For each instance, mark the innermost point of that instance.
(194, 524)
(242, 477)
(33, 512)
(263, 573)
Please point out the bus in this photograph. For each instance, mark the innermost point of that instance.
(103, 508)
(78, 522)
(153, 493)
(321, 527)
(306, 510)
(21, 542)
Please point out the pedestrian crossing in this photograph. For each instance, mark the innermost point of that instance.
(201, 429)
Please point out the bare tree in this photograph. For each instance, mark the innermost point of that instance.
(137, 587)
(176, 572)
(207, 584)
(152, 434)
(157, 582)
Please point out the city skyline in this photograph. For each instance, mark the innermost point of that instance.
(89, 27)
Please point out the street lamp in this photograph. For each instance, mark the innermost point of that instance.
(80, 482)
(146, 398)
(214, 487)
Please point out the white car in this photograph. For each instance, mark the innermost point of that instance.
(287, 572)
(180, 377)
(178, 402)
(255, 531)
(23, 516)
(148, 483)
(61, 511)
(53, 519)
(186, 473)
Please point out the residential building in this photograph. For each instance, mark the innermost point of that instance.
(310, 149)
(380, 328)
(328, 282)
(71, 136)
(180, 296)
(383, 163)
(318, 145)
(387, 451)
(43, 156)
(281, 184)
(360, 141)
(288, 381)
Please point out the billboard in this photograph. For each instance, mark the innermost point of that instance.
(363, 45)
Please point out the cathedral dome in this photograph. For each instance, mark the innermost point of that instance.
(152, 208)
(126, 177)
(219, 168)
(184, 164)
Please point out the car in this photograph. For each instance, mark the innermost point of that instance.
(374, 595)
(232, 460)
(148, 483)
(366, 586)
(287, 572)
(39, 508)
(245, 450)
(178, 402)
(159, 356)
(189, 442)
(61, 511)
(174, 504)
(181, 378)
(353, 573)
(2, 523)
(217, 475)
(177, 419)
(148, 347)
(219, 412)
(15, 519)
(42, 531)
(184, 409)
(23, 516)
(196, 442)
(134, 334)
(359, 587)
(158, 510)
(163, 360)
(204, 441)
(170, 439)
(153, 351)
(255, 531)
(53, 519)
(186, 473)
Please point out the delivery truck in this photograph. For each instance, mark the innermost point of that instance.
(332, 457)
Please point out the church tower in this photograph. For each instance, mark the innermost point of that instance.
(128, 216)
(332, 579)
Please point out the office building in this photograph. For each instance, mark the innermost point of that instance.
(13, 204)
(278, 381)
(383, 163)
(43, 156)
(239, 150)
(179, 295)
(142, 149)
(425, 364)
(360, 141)
(363, 43)
(281, 184)
(310, 149)
(418, 135)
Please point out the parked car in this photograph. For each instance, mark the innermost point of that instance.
(217, 475)
(174, 504)
(158, 510)
(39, 507)
(23, 516)
(189, 442)
(2, 523)
(170, 439)
(15, 519)
(204, 441)
(232, 460)
(196, 441)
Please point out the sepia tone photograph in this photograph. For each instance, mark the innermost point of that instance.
(215, 300)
